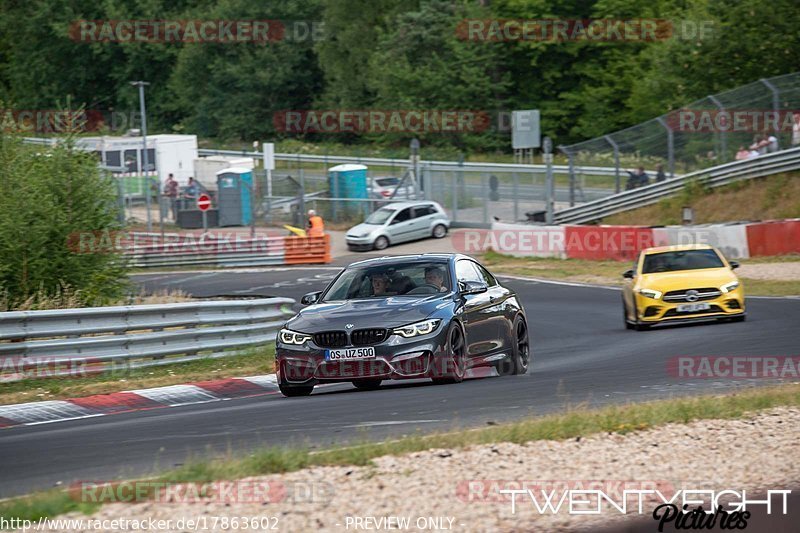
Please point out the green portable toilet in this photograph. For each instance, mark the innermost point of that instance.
(349, 181)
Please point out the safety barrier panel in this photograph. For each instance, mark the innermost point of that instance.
(225, 251)
(774, 237)
(620, 243)
(91, 340)
(623, 243)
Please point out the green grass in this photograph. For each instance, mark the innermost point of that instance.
(575, 422)
(253, 361)
(610, 272)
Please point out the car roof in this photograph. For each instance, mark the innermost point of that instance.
(415, 258)
(403, 205)
(677, 248)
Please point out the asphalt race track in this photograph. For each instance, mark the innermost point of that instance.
(582, 354)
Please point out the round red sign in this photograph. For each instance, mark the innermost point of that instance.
(203, 202)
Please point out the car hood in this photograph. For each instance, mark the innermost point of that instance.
(687, 279)
(362, 230)
(366, 313)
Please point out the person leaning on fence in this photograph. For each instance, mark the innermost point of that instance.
(316, 227)
(742, 154)
(660, 175)
(796, 130)
(171, 195)
(639, 178)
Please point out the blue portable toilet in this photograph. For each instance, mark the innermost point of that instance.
(349, 181)
(234, 192)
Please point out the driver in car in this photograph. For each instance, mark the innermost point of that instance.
(435, 276)
(380, 284)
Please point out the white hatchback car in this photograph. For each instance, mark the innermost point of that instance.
(399, 222)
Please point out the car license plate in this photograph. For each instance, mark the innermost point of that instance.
(346, 354)
(691, 308)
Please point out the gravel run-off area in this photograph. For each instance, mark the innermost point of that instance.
(456, 490)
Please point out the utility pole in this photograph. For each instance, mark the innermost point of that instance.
(145, 161)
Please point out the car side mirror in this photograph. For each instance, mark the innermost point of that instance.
(310, 298)
(628, 274)
(734, 264)
(472, 287)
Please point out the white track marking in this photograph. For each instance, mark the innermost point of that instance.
(176, 395)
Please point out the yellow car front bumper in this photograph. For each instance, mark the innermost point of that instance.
(650, 310)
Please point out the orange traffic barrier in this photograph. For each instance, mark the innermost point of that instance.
(307, 250)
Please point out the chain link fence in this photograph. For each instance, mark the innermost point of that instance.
(702, 134)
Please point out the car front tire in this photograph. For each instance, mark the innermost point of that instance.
(455, 366)
(381, 243)
(439, 231)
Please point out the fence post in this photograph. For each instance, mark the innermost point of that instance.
(571, 173)
(670, 147)
(610, 141)
(485, 194)
(723, 138)
(516, 196)
(776, 102)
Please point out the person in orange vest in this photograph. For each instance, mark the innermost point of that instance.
(316, 228)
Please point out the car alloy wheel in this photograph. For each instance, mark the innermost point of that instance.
(381, 243)
(439, 231)
(522, 349)
(456, 363)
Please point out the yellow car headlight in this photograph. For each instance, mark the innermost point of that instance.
(728, 287)
(650, 293)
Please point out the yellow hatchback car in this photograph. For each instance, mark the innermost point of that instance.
(679, 283)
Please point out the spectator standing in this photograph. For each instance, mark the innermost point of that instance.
(192, 190)
(772, 147)
(316, 227)
(796, 130)
(660, 175)
(171, 195)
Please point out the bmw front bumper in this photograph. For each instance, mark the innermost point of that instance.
(395, 358)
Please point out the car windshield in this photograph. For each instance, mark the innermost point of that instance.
(681, 260)
(418, 279)
(387, 182)
(380, 216)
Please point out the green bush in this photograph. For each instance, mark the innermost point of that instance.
(48, 196)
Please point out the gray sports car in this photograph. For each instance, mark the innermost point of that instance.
(417, 316)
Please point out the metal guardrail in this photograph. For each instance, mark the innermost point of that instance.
(452, 166)
(764, 165)
(92, 340)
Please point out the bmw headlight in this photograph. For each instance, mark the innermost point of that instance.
(650, 293)
(728, 287)
(288, 336)
(418, 328)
